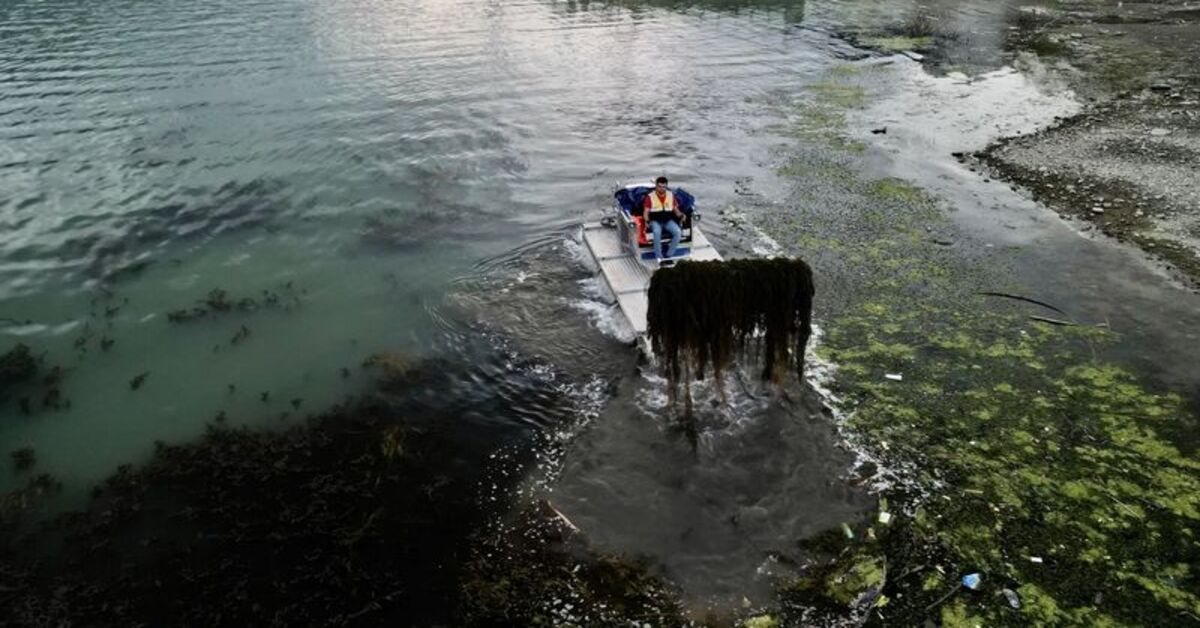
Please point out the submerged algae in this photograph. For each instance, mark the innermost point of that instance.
(538, 570)
(1013, 451)
(819, 114)
(1037, 454)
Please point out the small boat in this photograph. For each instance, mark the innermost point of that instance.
(623, 249)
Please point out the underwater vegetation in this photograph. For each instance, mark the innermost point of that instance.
(23, 459)
(18, 378)
(17, 365)
(1001, 445)
(218, 302)
(361, 515)
(396, 229)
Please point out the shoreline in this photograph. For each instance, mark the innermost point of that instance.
(1126, 164)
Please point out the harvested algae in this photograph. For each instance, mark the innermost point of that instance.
(703, 313)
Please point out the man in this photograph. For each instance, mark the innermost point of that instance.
(660, 211)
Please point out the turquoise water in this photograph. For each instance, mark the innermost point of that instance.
(370, 154)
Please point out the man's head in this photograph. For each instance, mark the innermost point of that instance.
(660, 184)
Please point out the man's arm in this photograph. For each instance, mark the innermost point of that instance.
(646, 210)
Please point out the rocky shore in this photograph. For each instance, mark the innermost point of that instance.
(1127, 165)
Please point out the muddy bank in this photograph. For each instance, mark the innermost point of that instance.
(1126, 165)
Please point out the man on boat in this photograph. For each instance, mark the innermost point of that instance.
(660, 211)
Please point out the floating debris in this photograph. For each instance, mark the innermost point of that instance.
(1013, 600)
(971, 581)
(895, 377)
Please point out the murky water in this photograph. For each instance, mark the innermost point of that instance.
(404, 176)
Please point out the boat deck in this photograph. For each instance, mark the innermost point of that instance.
(629, 278)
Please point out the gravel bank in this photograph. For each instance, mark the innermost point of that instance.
(1127, 164)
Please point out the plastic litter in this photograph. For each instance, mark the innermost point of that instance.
(885, 518)
(971, 581)
(895, 377)
(1012, 598)
(1035, 559)
(847, 531)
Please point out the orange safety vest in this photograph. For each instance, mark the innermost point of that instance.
(665, 204)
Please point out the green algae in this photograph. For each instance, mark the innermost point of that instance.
(1019, 454)
(819, 115)
(838, 93)
(892, 189)
(899, 44)
(852, 580)
(761, 621)
(1042, 454)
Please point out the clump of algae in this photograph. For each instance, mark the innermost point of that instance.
(702, 315)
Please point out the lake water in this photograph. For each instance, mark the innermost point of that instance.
(406, 177)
